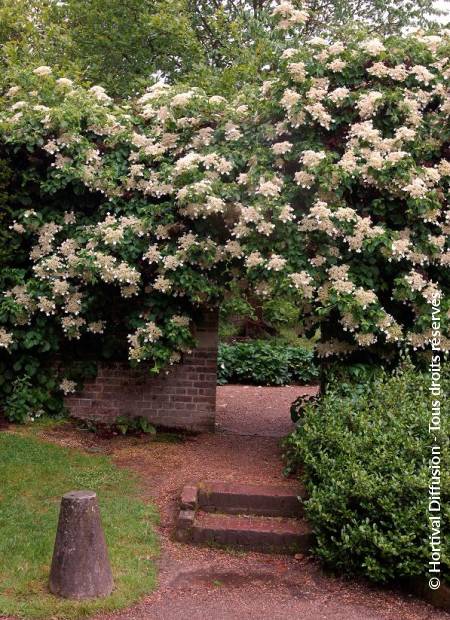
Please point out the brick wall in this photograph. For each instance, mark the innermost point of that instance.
(184, 397)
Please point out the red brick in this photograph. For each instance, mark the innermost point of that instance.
(189, 497)
(183, 398)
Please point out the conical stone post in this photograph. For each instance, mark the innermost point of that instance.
(80, 566)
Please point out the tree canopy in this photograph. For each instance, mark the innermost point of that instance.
(218, 45)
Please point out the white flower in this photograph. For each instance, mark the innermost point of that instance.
(365, 297)
(379, 69)
(289, 52)
(372, 46)
(416, 189)
(317, 41)
(338, 94)
(284, 9)
(281, 148)
(297, 70)
(64, 82)
(96, 327)
(289, 99)
(181, 99)
(336, 48)
(18, 228)
(303, 282)
(254, 259)
(269, 188)
(395, 156)
(162, 284)
(42, 71)
(368, 102)
(67, 386)
(232, 132)
(432, 42)
(304, 179)
(6, 339)
(216, 99)
(18, 105)
(365, 131)
(242, 109)
(364, 340)
(100, 94)
(234, 248)
(310, 159)
(276, 263)
(286, 214)
(337, 65)
(320, 114)
(290, 15)
(13, 91)
(422, 74)
(266, 87)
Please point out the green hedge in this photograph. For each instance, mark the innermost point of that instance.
(365, 464)
(262, 362)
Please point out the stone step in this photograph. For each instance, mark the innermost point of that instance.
(256, 533)
(254, 499)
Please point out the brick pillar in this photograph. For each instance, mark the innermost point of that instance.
(184, 397)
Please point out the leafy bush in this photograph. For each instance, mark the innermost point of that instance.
(365, 461)
(300, 403)
(29, 397)
(325, 189)
(342, 378)
(264, 363)
(348, 378)
(280, 312)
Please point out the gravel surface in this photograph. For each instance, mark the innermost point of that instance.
(262, 411)
(204, 583)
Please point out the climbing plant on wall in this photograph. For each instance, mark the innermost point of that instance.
(326, 185)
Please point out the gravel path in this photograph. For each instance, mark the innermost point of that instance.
(204, 583)
(261, 411)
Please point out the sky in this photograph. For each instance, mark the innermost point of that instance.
(444, 5)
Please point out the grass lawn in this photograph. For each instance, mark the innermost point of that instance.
(33, 477)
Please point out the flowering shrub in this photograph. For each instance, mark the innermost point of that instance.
(328, 188)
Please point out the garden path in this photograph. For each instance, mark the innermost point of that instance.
(205, 583)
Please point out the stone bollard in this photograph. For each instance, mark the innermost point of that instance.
(80, 566)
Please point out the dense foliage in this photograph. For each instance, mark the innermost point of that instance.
(117, 43)
(326, 188)
(218, 44)
(262, 362)
(365, 461)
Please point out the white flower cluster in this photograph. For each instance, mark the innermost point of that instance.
(347, 184)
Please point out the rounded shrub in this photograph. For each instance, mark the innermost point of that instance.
(365, 463)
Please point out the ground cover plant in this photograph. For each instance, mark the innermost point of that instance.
(364, 458)
(325, 186)
(34, 475)
(262, 362)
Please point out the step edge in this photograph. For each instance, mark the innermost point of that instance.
(251, 490)
(216, 522)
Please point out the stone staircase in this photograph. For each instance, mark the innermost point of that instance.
(264, 518)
